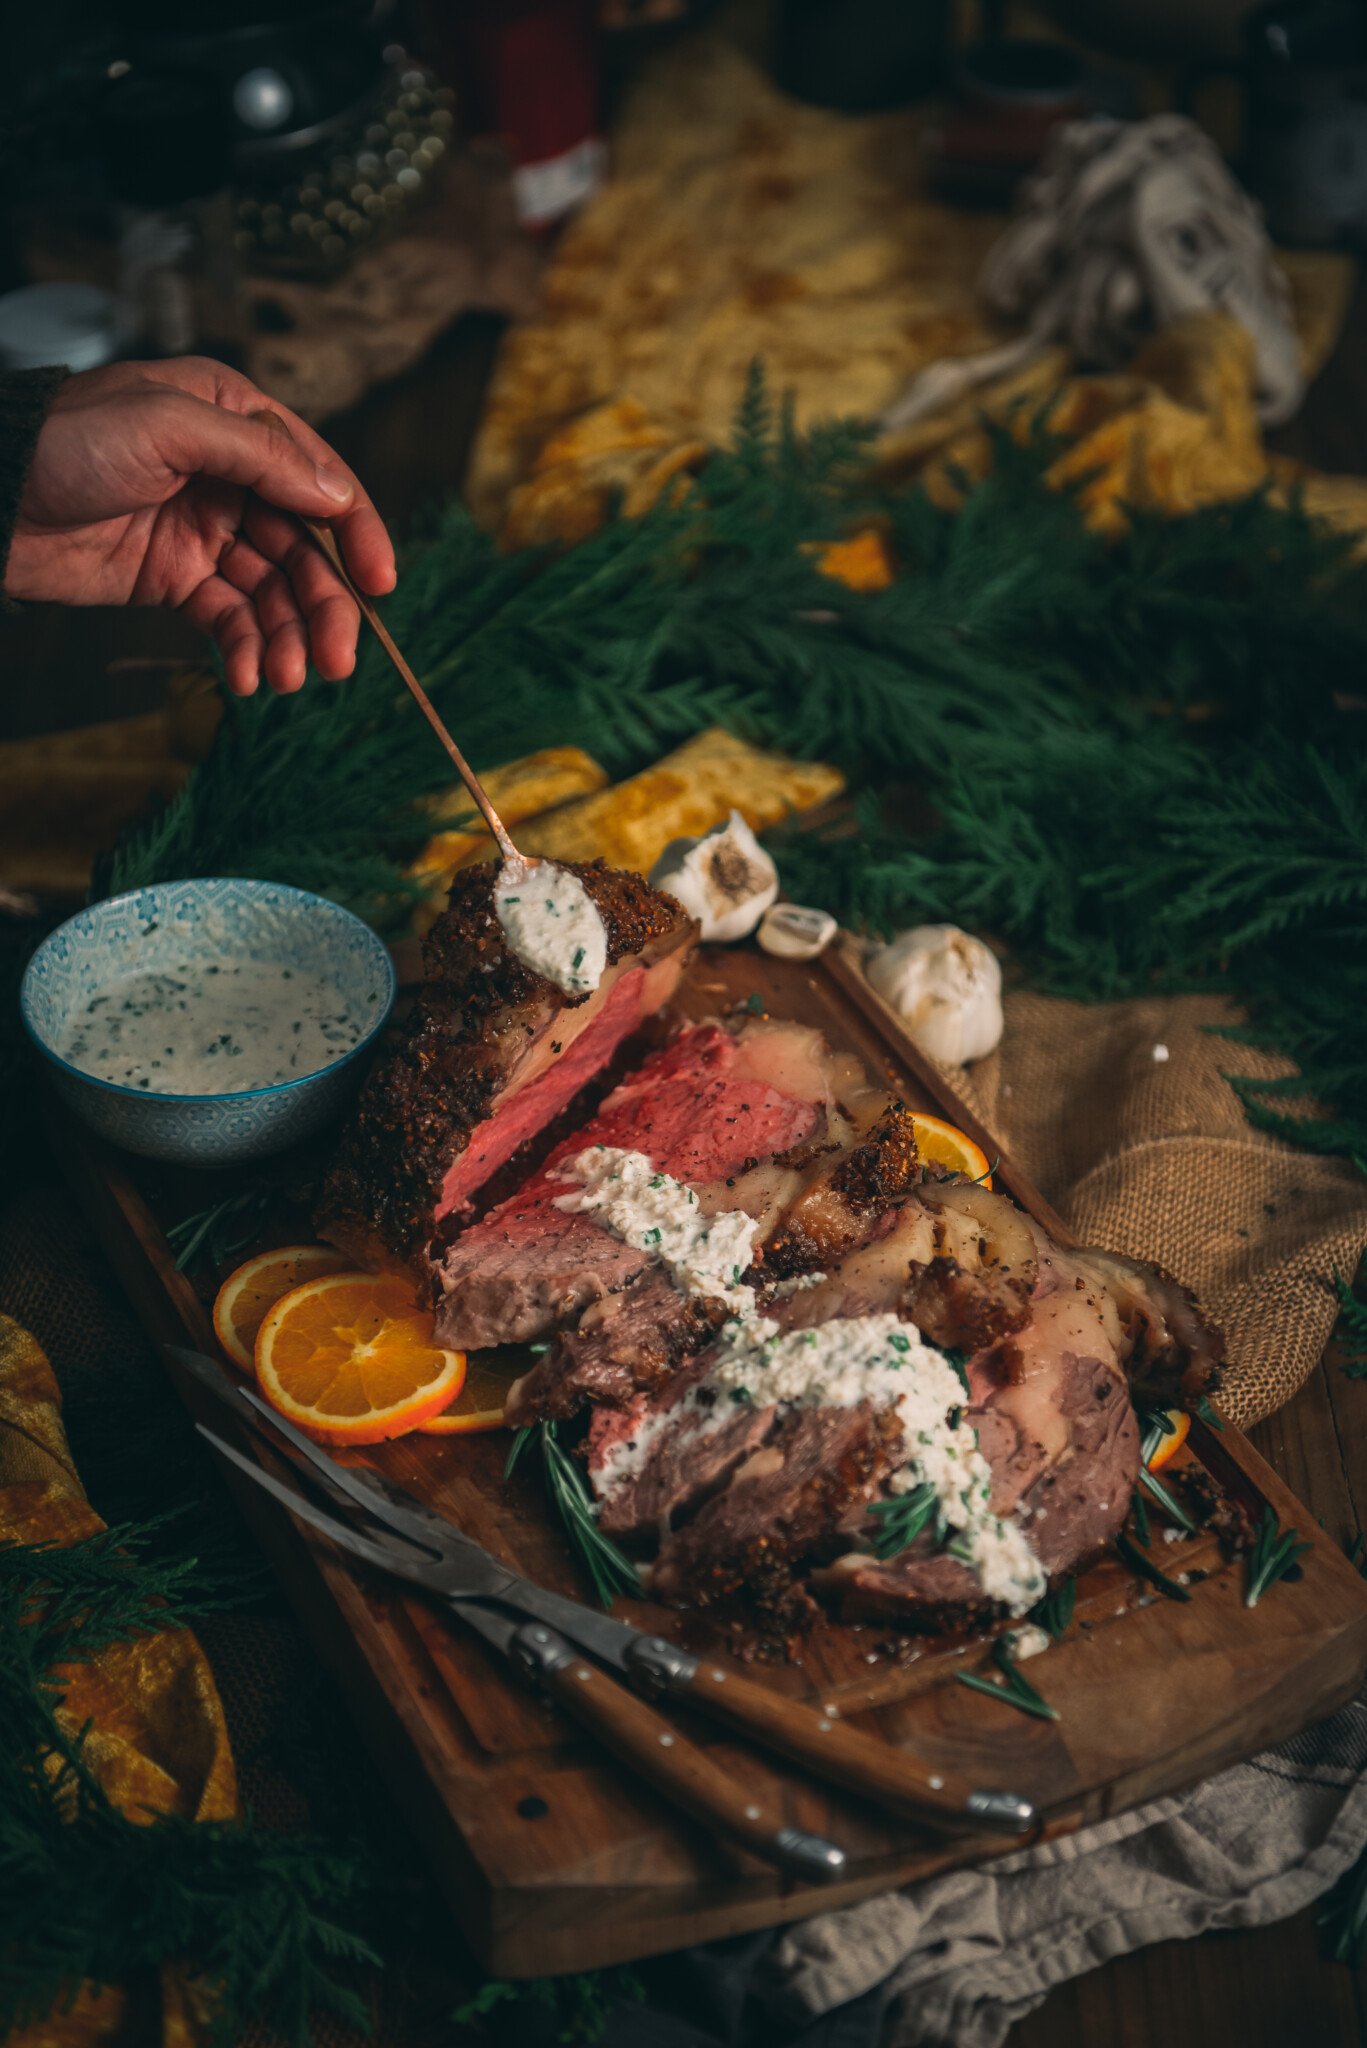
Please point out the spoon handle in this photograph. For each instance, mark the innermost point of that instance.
(326, 539)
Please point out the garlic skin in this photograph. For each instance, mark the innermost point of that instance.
(725, 879)
(945, 986)
(792, 932)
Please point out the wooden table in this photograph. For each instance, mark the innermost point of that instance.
(1256, 1990)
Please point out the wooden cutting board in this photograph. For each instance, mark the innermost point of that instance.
(553, 1859)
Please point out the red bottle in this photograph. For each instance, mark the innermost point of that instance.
(526, 73)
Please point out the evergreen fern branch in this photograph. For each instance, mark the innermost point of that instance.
(1129, 756)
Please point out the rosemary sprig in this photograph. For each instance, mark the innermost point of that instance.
(219, 1231)
(1139, 1515)
(1055, 1611)
(1145, 1568)
(1275, 1555)
(1015, 1689)
(611, 1572)
(1167, 1500)
(962, 1180)
(516, 1448)
(1156, 1424)
(901, 1519)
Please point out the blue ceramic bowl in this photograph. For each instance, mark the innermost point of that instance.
(177, 925)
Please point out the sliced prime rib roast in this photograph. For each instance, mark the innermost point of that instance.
(489, 1056)
(1051, 1336)
(764, 1118)
(747, 1116)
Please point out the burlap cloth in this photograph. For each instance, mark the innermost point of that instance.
(1120, 1114)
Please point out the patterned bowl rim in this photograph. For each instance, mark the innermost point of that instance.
(250, 883)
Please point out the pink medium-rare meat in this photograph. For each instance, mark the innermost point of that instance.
(702, 1113)
(490, 1054)
(827, 1190)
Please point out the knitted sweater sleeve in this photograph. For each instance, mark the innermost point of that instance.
(25, 396)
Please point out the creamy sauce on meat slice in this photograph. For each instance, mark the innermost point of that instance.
(882, 1360)
(703, 1253)
(552, 924)
(216, 1030)
(877, 1359)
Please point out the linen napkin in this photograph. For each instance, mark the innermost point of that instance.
(955, 1962)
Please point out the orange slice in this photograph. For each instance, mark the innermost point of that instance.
(242, 1301)
(1172, 1440)
(950, 1147)
(350, 1359)
(479, 1404)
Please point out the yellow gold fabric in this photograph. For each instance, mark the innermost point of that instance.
(681, 796)
(157, 1741)
(739, 223)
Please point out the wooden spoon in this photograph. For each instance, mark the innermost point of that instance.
(326, 539)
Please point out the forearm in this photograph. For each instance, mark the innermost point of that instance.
(25, 396)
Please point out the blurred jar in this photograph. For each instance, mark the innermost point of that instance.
(164, 143)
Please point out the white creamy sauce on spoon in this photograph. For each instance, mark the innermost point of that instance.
(552, 924)
(212, 1030)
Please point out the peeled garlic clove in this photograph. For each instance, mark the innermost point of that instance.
(945, 986)
(792, 932)
(725, 879)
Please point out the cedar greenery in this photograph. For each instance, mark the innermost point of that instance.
(91, 1894)
(1138, 760)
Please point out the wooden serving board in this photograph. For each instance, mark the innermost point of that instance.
(553, 1859)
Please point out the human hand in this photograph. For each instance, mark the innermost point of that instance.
(152, 484)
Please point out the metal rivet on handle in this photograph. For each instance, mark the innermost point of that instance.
(752, 1813)
(666, 1742)
(936, 1784)
(718, 1677)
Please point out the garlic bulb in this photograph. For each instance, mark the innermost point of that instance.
(792, 932)
(945, 986)
(725, 879)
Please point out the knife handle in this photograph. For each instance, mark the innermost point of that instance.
(631, 1730)
(828, 1746)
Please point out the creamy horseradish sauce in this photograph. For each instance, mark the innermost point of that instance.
(702, 1254)
(882, 1359)
(552, 924)
(211, 1030)
(876, 1358)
